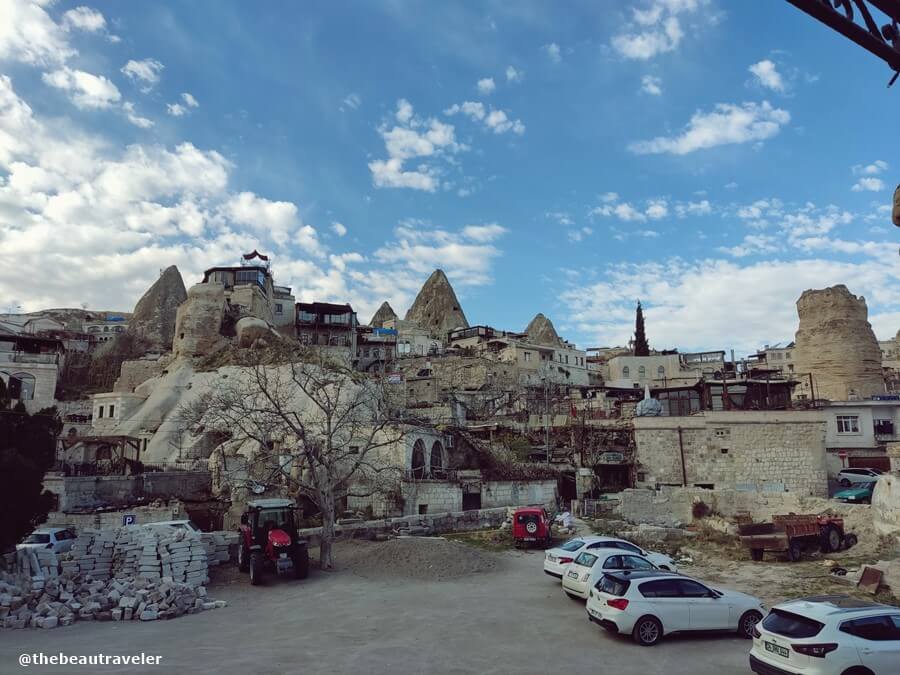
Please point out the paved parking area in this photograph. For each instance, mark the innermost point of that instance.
(512, 620)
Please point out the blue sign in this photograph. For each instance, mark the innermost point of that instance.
(129, 519)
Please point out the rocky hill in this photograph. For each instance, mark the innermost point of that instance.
(384, 313)
(436, 307)
(836, 344)
(153, 318)
(541, 331)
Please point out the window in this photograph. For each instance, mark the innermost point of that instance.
(848, 424)
(526, 356)
(691, 589)
(642, 372)
(613, 562)
(877, 628)
(567, 358)
(612, 586)
(353, 450)
(661, 372)
(112, 411)
(279, 308)
(625, 371)
(633, 562)
(418, 459)
(100, 412)
(437, 459)
(586, 559)
(306, 317)
(573, 545)
(791, 625)
(663, 588)
(21, 386)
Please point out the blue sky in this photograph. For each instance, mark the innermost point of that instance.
(712, 159)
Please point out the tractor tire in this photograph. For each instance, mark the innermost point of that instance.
(831, 539)
(756, 554)
(243, 559)
(256, 569)
(850, 541)
(301, 563)
(795, 551)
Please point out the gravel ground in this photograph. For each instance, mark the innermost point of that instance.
(428, 559)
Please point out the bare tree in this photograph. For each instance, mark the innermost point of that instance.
(320, 429)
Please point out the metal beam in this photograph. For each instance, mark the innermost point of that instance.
(883, 42)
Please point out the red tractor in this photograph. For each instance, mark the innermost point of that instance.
(269, 540)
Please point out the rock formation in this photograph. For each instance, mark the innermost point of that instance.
(154, 315)
(836, 344)
(250, 329)
(436, 308)
(384, 313)
(198, 321)
(541, 331)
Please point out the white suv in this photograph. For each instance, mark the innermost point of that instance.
(848, 477)
(649, 605)
(827, 635)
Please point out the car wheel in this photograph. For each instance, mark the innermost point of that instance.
(857, 670)
(647, 631)
(256, 563)
(845, 483)
(850, 541)
(795, 551)
(747, 622)
(243, 559)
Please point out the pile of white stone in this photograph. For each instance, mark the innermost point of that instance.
(220, 546)
(112, 575)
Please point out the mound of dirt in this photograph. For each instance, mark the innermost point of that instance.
(414, 558)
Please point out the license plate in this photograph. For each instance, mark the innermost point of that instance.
(776, 649)
(594, 612)
(551, 558)
(284, 555)
(573, 575)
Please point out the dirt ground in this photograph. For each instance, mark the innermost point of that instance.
(492, 612)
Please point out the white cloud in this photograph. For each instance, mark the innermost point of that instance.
(483, 233)
(650, 84)
(728, 124)
(495, 120)
(276, 218)
(29, 35)
(657, 209)
(146, 72)
(339, 229)
(868, 184)
(689, 208)
(416, 138)
(134, 118)
(609, 197)
(86, 91)
(627, 212)
(190, 100)
(767, 75)
(486, 85)
(513, 75)
(654, 29)
(352, 101)
(86, 19)
(873, 169)
(553, 52)
(752, 244)
(175, 109)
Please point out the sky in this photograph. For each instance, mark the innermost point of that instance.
(711, 159)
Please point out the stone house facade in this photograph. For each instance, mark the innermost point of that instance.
(750, 450)
(857, 432)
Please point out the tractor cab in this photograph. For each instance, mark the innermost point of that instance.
(269, 540)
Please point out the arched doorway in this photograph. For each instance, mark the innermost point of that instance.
(437, 460)
(418, 467)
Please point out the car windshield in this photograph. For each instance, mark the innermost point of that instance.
(791, 625)
(36, 538)
(573, 545)
(586, 559)
(275, 518)
(612, 586)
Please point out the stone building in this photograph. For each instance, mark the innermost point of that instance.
(857, 432)
(753, 450)
(662, 370)
(323, 324)
(835, 344)
(29, 367)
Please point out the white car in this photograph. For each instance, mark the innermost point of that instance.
(848, 477)
(827, 635)
(60, 539)
(587, 568)
(557, 559)
(649, 605)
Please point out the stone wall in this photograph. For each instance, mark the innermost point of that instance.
(766, 450)
(135, 373)
(174, 510)
(513, 493)
(86, 492)
(45, 376)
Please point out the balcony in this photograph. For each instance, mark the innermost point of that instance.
(25, 357)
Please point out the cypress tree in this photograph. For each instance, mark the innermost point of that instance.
(641, 346)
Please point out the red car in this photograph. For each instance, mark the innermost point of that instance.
(531, 524)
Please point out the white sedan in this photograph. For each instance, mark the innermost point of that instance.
(59, 539)
(649, 605)
(557, 559)
(587, 568)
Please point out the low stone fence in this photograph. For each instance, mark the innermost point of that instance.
(455, 521)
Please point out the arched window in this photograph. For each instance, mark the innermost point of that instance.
(661, 372)
(21, 386)
(437, 460)
(642, 372)
(626, 371)
(418, 460)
